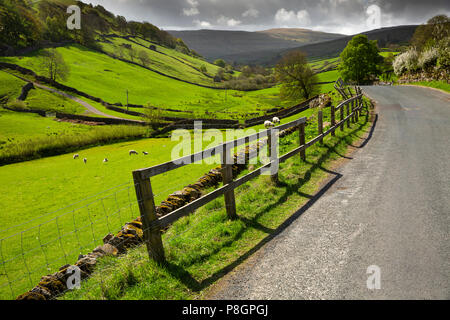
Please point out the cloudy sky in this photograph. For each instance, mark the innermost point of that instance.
(338, 16)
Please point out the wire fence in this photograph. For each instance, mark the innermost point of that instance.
(42, 245)
(43, 248)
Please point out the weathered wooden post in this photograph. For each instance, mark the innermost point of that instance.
(227, 177)
(357, 111)
(350, 92)
(333, 119)
(301, 134)
(353, 107)
(147, 209)
(342, 117)
(320, 124)
(348, 115)
(272, 146)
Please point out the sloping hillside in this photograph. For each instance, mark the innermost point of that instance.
(233, 45)
(400, 35)
(302, 36)
(271, 52)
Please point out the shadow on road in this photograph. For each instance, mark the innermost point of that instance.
(187, 279)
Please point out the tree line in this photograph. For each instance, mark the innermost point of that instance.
(24, 24)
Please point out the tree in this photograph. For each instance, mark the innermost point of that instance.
(296, 77)
(54, 66)
(145, 59)
(132, 53)
(18, 26)
(151, 114)
(360, 60)
(431, 33)
(220, 63)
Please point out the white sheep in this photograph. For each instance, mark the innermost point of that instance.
(76, 156)
(133, 152)
(145, 153)
(268, 124)
(276, 120)
(85, 160)
(105, 160)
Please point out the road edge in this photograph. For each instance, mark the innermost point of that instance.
(220, 285)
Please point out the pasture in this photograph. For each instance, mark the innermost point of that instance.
(144, 86)
(56, 195)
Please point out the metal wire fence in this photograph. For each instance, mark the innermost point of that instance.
(42, 245)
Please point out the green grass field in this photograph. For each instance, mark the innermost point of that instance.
(25, 136)
(44, 186)
(144, 86)
(204, 246)
(161, 62)
(37, 99)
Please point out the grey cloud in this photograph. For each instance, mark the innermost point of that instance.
(343, 16)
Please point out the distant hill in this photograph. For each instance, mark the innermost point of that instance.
(214, 44)
(267, 47)
(302, 36)
(400, 35)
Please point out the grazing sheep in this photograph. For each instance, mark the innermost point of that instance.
(76, 156)
(268, 124)
(276, 120)
(105, 160)
(133, 152)
(145, 153)
(85, 160)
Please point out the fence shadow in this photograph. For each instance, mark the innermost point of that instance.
(193, 284)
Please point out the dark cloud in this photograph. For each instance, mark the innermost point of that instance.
(340, 16)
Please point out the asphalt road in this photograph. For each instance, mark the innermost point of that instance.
(388, 206)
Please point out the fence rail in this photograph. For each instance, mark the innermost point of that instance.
(152, 224)
(27, 251)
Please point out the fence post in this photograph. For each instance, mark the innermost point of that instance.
(342, 117)
(357, 111)
(353, 111)
(350, 92)
(333, 120)
(147, 209)
(301, 134)
(320, 124)
(272, 145)
(348, 114)
(227, 177)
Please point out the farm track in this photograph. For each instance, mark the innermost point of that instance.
(86, 105)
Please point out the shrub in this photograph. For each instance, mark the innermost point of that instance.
(18, 105)
(428, 58)
(407, 61)
(444, 54)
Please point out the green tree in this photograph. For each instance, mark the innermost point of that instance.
(296, 77)
(220, 63)
(360, 60)
(430, 34)
(145, 59)
(18, 26)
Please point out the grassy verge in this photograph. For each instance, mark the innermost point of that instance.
(204, 246)
(441, 85)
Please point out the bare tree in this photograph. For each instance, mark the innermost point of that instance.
(54, 66)
(296, 77)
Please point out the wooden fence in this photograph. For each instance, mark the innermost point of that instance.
(152, 225)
